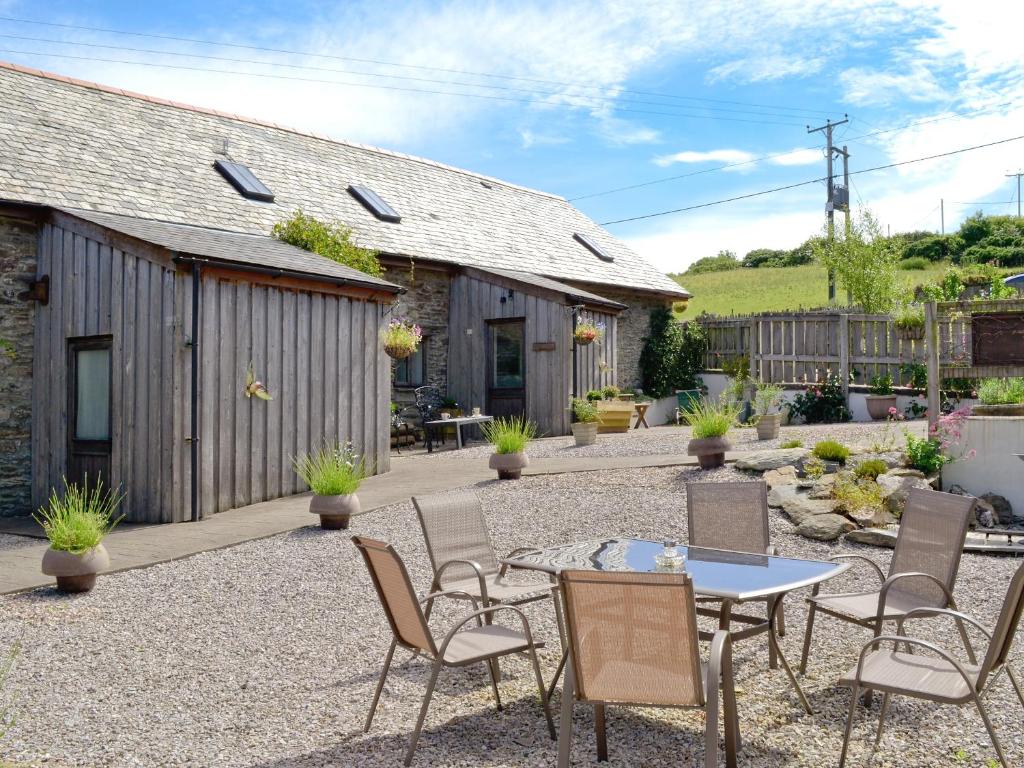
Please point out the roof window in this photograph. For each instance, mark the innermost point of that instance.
(374, 203)
(244, 181)
(593, 247)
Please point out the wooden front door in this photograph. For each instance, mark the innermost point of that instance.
(89, 405)
(506, 374)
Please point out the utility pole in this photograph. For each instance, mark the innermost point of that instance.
(1018, 174)
(842, 200)
(830, 205)
(942, 214)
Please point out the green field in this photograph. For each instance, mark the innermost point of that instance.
(742, 291)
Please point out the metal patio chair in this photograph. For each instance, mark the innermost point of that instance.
(480, 644)
(633, 641)
(922, 572)
(940, 678)
(429, 402)
(732, 516)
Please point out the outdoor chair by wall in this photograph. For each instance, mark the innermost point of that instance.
(429, 402)
(481, 644)
(633, 642)
(943, 679)
(922, 572)
(732, 516)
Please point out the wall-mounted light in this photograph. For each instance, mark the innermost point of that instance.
(38, 290)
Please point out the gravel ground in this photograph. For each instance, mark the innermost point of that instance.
(266, 654)
(8, 542)
(672, 440)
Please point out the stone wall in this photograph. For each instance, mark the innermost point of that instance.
(18, 240)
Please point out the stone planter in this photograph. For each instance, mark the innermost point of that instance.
(75, 572)
(585, 432)
(615, 415)
(1006, 409)
(768, 426)
(335, 511)
(509, 465)
(710, 451)
(912, 333)
(879, 405)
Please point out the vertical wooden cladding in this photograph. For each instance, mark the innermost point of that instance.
(596, 361)
(320, 359)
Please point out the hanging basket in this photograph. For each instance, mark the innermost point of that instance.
(911, 333)
(397, 351)
(588, 333)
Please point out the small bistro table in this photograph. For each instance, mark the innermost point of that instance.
(641, 415)
(458, 422)
(732, 577)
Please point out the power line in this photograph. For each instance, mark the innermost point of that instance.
(492, 97)
(380, 62)
(811, 181)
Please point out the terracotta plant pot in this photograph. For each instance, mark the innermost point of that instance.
(710, 451)
(1005, 409)
(768, 426)
(585, 432)
(335, 511)
(509, 465)
(75, 572)
(879, 405)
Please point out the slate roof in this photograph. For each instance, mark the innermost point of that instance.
(572, 292)
(73, 144)
(234, 247)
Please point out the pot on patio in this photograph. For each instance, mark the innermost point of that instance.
(879, 405)
(509, 465)
(1004, 409)
(75, 572)
(335, 511)
(768, 426)
(584, 432)
(710, 451)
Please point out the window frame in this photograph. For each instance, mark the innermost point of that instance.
(85, 344)
(406, 384)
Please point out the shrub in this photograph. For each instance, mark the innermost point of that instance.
(814, 468)
(1001, 391)
(724, 261)
(793, 444)
(767, 397)
(510, 434)
(332, 240)
(79, 519)
(871, 468)
(331, 470)
(594, 395)
(931, 248)
(610, 392)
(914, 263)
(916, 373)
(710, 419)
(924, 454)
(821, 403)
(673, 354)
(830, 450)
(585, 411)
(864, 495)
(881, 385)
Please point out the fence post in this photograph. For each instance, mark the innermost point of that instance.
(754, 342)
(931, 336)
(844, 354)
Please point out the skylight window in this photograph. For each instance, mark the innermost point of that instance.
(244, 181)
(374, 203)
(593, 247)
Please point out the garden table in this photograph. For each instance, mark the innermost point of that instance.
(455, 421)
(641, 415)
(732, 577)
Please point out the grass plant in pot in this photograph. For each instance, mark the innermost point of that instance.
(881, 397)
(75, 524)
(767, 404)
(509, 436)
(333, 472)
(584, 428)
(1000, 397)
(909, 322)
(710, 422)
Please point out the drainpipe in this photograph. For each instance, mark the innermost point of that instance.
(194, 403)
(575, 362)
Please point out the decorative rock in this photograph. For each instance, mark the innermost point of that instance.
(873, 518)
(828, 527)
(877, 537)
(897, 487)
(782, 476)
(822, 489)
(1000, 506)
(799, 508)
(984, 514)
(780, 494)
(905, 472)
(771, 459)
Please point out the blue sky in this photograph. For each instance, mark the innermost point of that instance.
(579, 98)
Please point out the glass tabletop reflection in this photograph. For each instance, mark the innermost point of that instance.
(716, 573)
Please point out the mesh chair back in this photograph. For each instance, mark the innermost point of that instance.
(633, 637)
(1006, 627)
(728, 516)
(455, 529)
(429, 401)
(396, 594)
(933, 528)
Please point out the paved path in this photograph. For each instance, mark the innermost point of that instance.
(138, 546)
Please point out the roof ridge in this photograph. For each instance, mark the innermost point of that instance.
(10, 65)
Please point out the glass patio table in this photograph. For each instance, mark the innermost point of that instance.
(732, 577)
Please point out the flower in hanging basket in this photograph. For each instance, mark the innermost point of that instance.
(401, 338)
(588, 333)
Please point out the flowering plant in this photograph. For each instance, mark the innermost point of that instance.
(401, 338)
(587, 332)
(948, 431)
(895, 415)
(821, 403)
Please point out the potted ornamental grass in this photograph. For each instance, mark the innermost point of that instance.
(881, 400)
(586, 416)
(333, 472)
(75, 524)
(1000, 397)
(909, 322)
(767, 404)
(587, 332)
(710, 423)
(401, 338)
(509, 436)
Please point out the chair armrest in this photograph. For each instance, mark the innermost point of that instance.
(515, 553)
(868, 560)
(888, 583)
(896, 640)
(451, 593)
(436, 586)
(929, 612)
(478, 615)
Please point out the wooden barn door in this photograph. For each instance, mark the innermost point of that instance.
(89, 406)
(506, 368)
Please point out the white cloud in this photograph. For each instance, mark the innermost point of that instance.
(881, 87)
(765, 68)
(714, 155)
(530, 139)
(799, 157)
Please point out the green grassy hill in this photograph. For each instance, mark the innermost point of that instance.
(768, 289)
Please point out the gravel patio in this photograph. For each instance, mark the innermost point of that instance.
(266, 654)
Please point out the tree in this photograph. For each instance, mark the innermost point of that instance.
(330, 239)
(723, 261)
(673, 354)
(866, 263)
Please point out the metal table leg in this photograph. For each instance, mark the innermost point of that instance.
(772, 619)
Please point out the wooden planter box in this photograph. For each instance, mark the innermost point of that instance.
(615, 415)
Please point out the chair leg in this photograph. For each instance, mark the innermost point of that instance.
(962, 629)
(780, 622)
(380, 685)
(807, 638)
(773, 662)
(991, 733)
(434, 671)
(849, 725)
(565, 721)
(599, 733)
(545, 702)
(494, 683)
(1016, 683)
(881, 718)
(558, 671)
